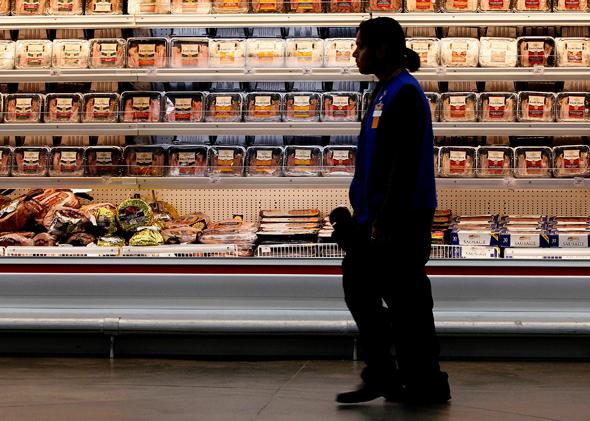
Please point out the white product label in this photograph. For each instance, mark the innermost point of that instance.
(264, 155)
(266, 46)
(304, 46)
(571, 154)
(303, 154)
(301, 101)
(343, 46)
(497, 101)
(496, 156)
(573, 241)
(186, 158)
(190, 50)
(31, 157)
(457, 101)
(576, 101)
(144, 158)
(227, 47)
(223, 101)
(226, 155)
(575, 46)
(103, 6)
(478, 252)
(102, 105)
(108, 49)
(536, 46)
(183, 104)
(458, 155)
(536, 101)
(340, 101)
(104, 158)
(3, 48)
(24, 105)
(420, 47)
(262, 101)
(68, 158)
(72, 50)
(35, 49)
(340, 155)
(474, 238)
(460, 46)
(141, 102)
(498, 46)
(533, 156)
(147, 50)
(525, 240)
(64, 105)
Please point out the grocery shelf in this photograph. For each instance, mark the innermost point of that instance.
(65, 129)
(518, 74)
(251, 129)
(511, 183)
(512, 129)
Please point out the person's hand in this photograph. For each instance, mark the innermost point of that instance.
(347, 231)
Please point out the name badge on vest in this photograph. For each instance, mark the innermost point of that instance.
(376, 115)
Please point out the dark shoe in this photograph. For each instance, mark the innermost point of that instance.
(367, 392)
(433, 392)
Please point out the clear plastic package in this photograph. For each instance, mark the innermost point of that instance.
(384, 6)
(570, 5)
(498, 52)
(107, 53)
(7, 50)
(457, 6)
(303, 161)
(263, 106)
(147, 52)
(100, 107)
(302, 106)
(5, 161)
(30, 161)
(459, 52)
(66, 161)
(457, 161)
(571, 161)
(29, 7)
(338, 52)
(189, 52)
(65, 7)
(104, 161)
(230, 6)
(495, 5)
(265, 52)
(536, 106)
(573, 106)
(264, 161)
(427, 48)
(147, 160)
(497, 106)
(573, 52)
(23, 108)
(459, 106)
(532, 161)
(190, 6)
(436, 161)
(104, 7)
(63, 108)
(536, 51)
(344, 6)
(187, 160)
(224, 107)
(340, 106)
(268, 6)
(338, 161)
(141, 106)
(226, 160)
(494, 161)
(33, 54)
(421, 6)
(148, 7)
(185, 106)
(227, 53)
(71, 53)
(305, 6)
(532, 5)
(434, 102)
(304, 52)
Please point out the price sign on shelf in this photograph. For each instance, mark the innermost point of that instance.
(538, 70)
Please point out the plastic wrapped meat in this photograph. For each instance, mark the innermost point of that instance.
(535, 106)
(33, 54)
(459, 106)
(23, 108)
(536, 51)
(7, 49)
(29, 7)
(305, 6)
(226, 160)
(339, 160)
(263, 106)
(340, 106)
(63, 108)
(190, 6)
(145, 161)
(571, 161)
(224, 107)
(30, 161)
(147, 52)
(227, 53)
(148, 7)
(264, 161)
(65, 7)
(187, 160)
(573, 52)
(305, 52)
(495, 5)
(497, 106)
(570, 5)
(230, 6)
(5, 161)
(454, 6)
(64, 221)
(302, 106)
(107, 53)
(532, 161)
(421, 6)
(183, 235)
(189, 52)
(71, 54)
(265, 52)
(338, 52)
(185, 106)
(434, 102)
(457, 161)
(495, 161)
(498, 52)
(268, 6)
(141, 107)
(532, 5)
(134, 213)
(573, 106)
(459, 52)
(427, 48)
(104, 7)
(146, 237)
(101, 107)
(104, 161)
(108, 241)
(344, 6)
(66, 161)
(302, 161)
(384, 6)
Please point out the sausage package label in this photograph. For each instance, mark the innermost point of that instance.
(573, 240)
(225, 157)
(340, 157)
(302, 5)
(458, 107)
(31, 6)
(474, 238)
(24, 108)
(572, 4)
(497, 107)
(190, 51)
(186, 159)
(344, 51)
(104, 159)
(302, 157)
(575, 51)
(458, 161)
(72, 53)
(108, 53)
(64, 107)
(460, 4)
(495, 161)
(422, 49)
(101, 107)
(536, 106)
(532, 4)
(147, 54)
(144, 158)
(459, 52)
(103, 6)
(301, 103)
(35, 53)
(182, 108)
(576, 107)
(499, 51)
(223, 101)
(571, 158)
(340, 101)
(263, 157)
(141, 107)
(267, 6)
(228, 51)
(304, 50)
(68, 160)
(31, 161)
(533, 159)
(423, 4)
(266, 49)
(262, 101)
(65, 5)
(536, 52)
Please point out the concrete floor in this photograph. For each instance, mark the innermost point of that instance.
(140, 389)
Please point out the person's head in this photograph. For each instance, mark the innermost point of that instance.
(381, 47)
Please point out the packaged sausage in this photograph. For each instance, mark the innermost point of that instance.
(427, 48)
(263, 106)
(536, 51)
(457, 161)
(573, 52)
(23, 108)
(66, 161)
(63, 108)
(421, 6)
(459, 106)
(532, 5)
(338, 52)
(65, 7)
(344, 6)
(532, 161)
(434, 102)
(570, 5)
(305, 6)
(227, 53)
(302, 106)
(147, 52)
(338, 161)
(149, 160)
(305, 52)
(535, 106)
(104, 161)
(302, 161)
(187, 160)
(457, 6)
(148, 7)
(384, 6)
(189, 52)
(100, 107)
(226, 160)
(107, 53)
(141, 106)
(7, 50)
(571, 161)
(104, 7)
(185, 106)
(497, 106)
(33, 54)
(494, 161)
(71, 53)
(224, 107)
(264, 161)
(29, 7)
(230, 6)
(190, 6)
(573, 106)
(340, 106)
(498, 52)
(268, 6)
(459, 52)
(5, 161)
(30, 161)
(495, 5)
(265, 52)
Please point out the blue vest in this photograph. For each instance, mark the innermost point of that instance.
(366, 203)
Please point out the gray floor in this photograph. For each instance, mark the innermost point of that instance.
(129, 389)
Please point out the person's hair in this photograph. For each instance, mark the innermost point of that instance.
(387, 33)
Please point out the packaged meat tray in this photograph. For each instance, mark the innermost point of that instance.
(344, 6)
(100, 107)
(187, 160)
(427, 48)
(532, 161)
(30, 161)
(305, 6)
(458, 106)
(7, 49)
(532, 5)
(148, 7)
(421, 6)
(134, 213)
(340, 106)
(570, 5)
(33, 54)
(63, 108)
(434, 102)
(459, 52)
(185, 106)
(304, 52)
(229, 6)
(224, 107)
(107, 53)
(495, 5)
(141, 106)
(264, 161)
(29, 7)
(571, 161)
(147, 52)
(573, 106)
(536, 51)
(104, 7)
(494, 161)
(147, 160)
(498, 52)
(457, 6)
(104, 161)
(302, 106)
(227, 53)
(66, 161)
(302, 161)
(339, 161)
(190, 6)
(189, 52)
(263, 106)
(268, 6)
(338, 52)
(226, 160)
(457, 161)
(295, 213)
(5, 161)
(535, 106)
(436, 161)
(71, 53)
(65, 7)
(265, 52)
(573, 52)
(384, 6)
(497, 106)
(23, 108)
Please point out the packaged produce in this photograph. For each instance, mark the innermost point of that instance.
(71, 54)
(147, 52)
(23, 108)
(147, 237)
(457, 161)
(7, 50)
(340, 106)
(536, 51)
(454, 6)
(100, 107)
(344, 6)
(104, 161)
(187, 160)
(302, 161)
(110, 242)
(268, 6)
(495, 5)
(338, 52)
(189, 52)
(66, 161)
(384, 6)
(573, 52)
(185, 106)
(573, 106)
(227, 53)
(264, 160)
(229, 6)
(148, 7)
(495, 161)
(532, 5)
(434, 102)
(107, 53)
(304, 52)
(134, 213)
(421, 6)
(104, 7)
(458, 106)
(532, 161)
(141, 106)
(459, 52)
(302, 106)
(265, 52)
(29, 7)
(535, 106)
(63, 108)
(497, 106)
(570, 5)
(339, 160)
(33, 54)
(427, 48)
(182, 235)
(498, 52)
(571, 161)
(226, 160)
(5, 161)
(190, 6)
(146, 160)
(65, 7)
(224, 107)
(263, 106)
(62, 222)
(305, 6)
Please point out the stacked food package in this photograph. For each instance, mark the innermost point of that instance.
(233, 231)
(289, 226)
(440, 226)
